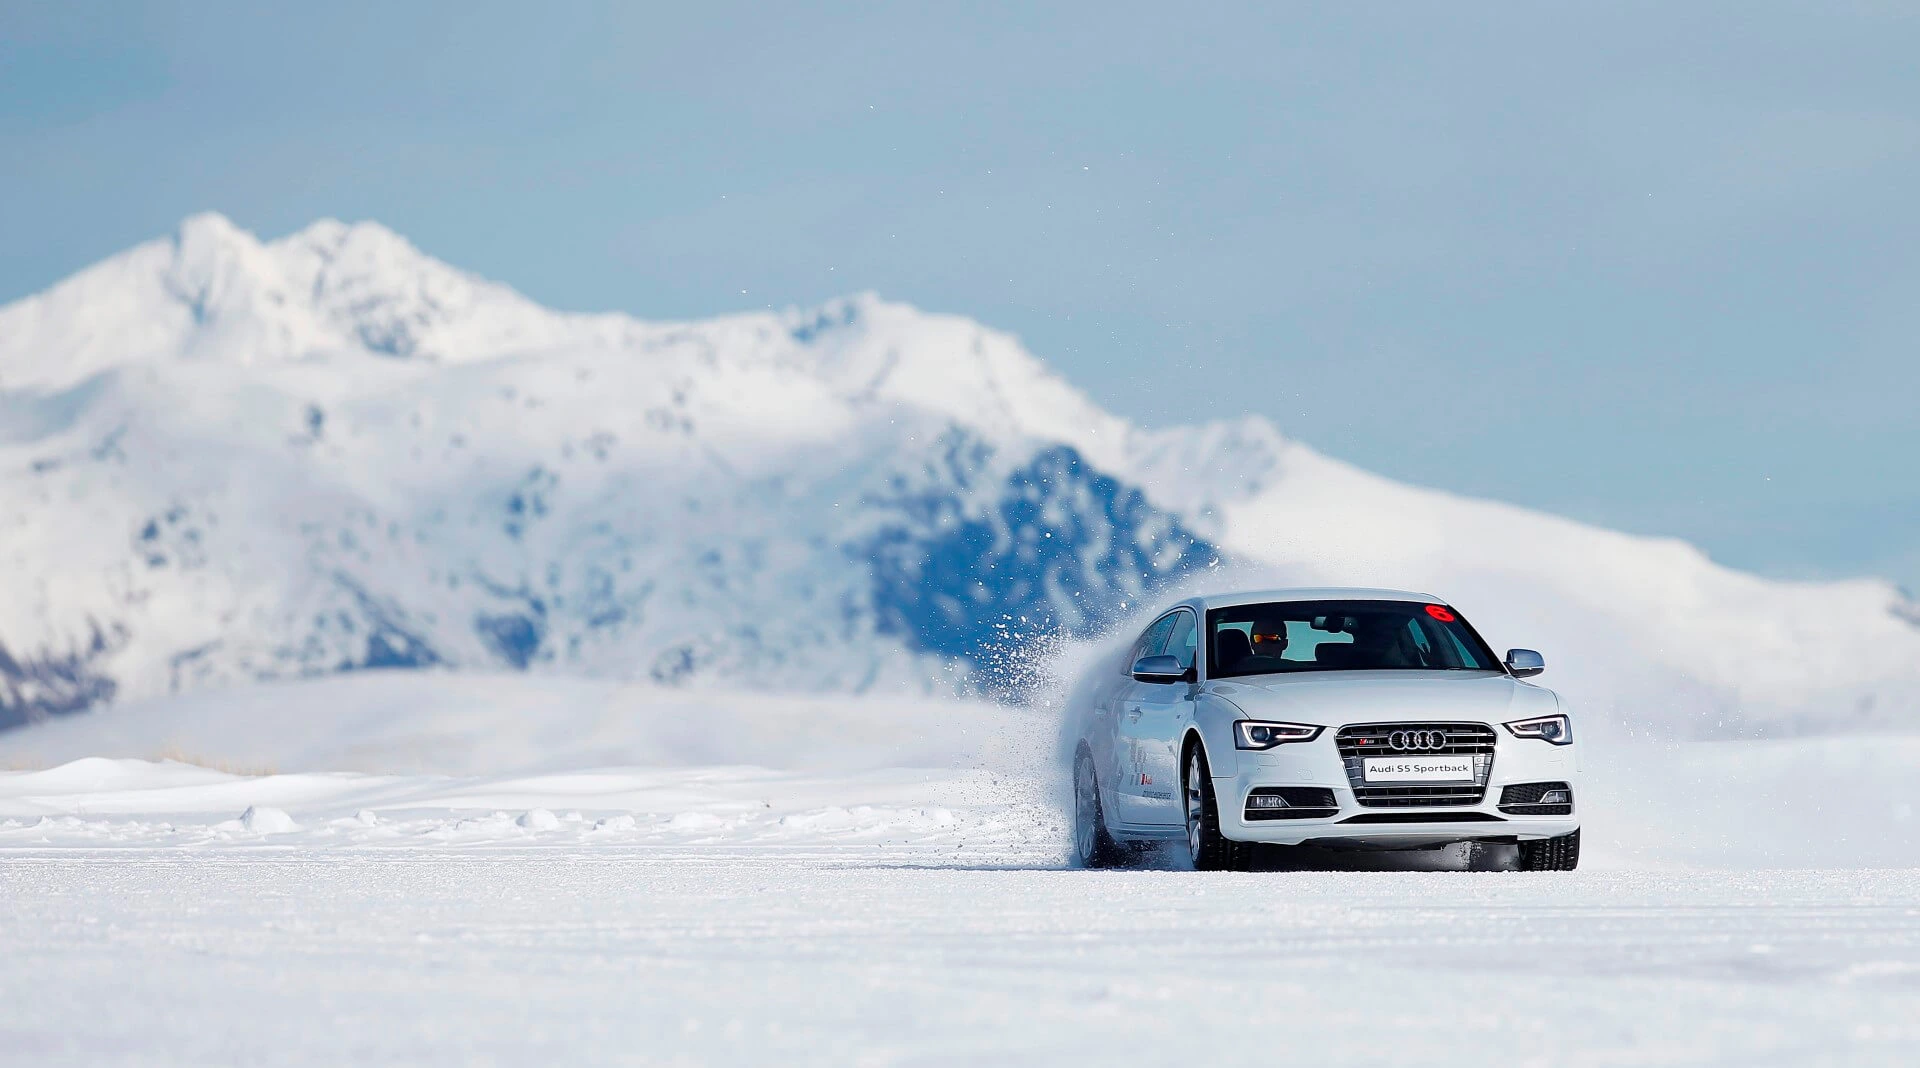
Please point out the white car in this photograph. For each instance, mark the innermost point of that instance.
(1345, 718)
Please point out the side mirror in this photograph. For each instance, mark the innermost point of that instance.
(1161, 668)
(1522, 663)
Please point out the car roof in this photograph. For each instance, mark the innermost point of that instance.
(1311, 593)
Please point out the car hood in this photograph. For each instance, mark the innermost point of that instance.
(1333, 698)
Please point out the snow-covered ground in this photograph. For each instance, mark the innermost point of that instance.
(578, 953)
(877, 881)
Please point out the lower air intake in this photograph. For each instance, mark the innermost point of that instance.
(1537, 799)
(1424, 817)
(1290, 803)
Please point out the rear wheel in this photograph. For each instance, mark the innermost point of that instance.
(1206, 846)
(1551, 854)
(1093, 847)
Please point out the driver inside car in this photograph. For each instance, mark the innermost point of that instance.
(1270, 638)
(1264, 640)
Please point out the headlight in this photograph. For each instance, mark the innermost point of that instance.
(1259, 734)
(1555, 729)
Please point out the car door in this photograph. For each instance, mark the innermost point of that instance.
(1118, 759)
(1108, 694)
(1151, 716)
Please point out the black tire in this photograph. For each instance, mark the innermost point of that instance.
(1093, 847)
(1551, 854)
(1207, 848)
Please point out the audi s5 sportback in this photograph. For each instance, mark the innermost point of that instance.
(1344, 718)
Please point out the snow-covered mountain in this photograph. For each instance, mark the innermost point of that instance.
(227, 460)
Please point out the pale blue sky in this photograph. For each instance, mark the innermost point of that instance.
(1652, 266)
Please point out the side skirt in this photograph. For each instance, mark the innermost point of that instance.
(1154, 832)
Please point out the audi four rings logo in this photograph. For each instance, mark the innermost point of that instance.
(1417, 739)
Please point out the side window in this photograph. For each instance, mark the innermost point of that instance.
(1183, 640)
(1152, 640)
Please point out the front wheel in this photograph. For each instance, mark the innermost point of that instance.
(1093, 847)
(1206, 846)
(1551, 854)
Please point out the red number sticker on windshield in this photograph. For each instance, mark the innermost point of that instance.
(1440, 613)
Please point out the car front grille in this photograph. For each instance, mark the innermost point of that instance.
(1359, 741)
(1424, 817)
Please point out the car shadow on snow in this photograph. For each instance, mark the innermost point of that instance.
(1461, 857)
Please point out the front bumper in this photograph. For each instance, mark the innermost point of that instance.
(1318, 764)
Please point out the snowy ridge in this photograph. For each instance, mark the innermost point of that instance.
(236, 460)
(211, 291)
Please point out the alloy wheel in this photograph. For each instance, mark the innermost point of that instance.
(1086, 807)
(1196, 805)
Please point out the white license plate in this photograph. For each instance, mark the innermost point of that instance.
(1419, 769)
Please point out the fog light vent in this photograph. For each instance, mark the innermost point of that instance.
(1290, 803)
(1537, 799)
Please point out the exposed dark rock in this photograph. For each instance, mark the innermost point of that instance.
(49, 683)
(974, 562)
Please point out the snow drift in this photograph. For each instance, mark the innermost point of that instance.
(425, 759)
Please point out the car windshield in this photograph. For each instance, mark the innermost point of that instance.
(1285, 636)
